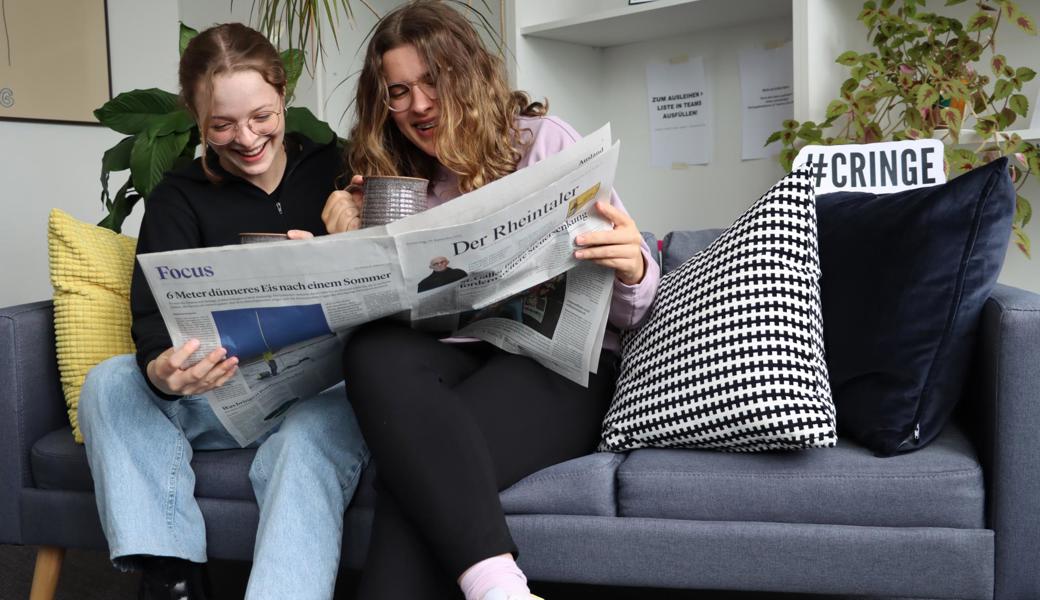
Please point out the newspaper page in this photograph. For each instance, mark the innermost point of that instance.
(557, 322)
(286, 308)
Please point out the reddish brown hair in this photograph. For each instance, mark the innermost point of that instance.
(227, 48)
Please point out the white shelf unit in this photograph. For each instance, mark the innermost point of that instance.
(628, 24)
(589, 57)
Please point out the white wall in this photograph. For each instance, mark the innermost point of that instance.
(696, 197)
(53, 165)
(590, 86)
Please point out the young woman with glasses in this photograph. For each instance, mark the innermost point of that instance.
(142, 416)
(450, 425)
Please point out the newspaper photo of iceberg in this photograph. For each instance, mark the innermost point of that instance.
(249, 333)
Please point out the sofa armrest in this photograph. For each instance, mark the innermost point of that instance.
(1006, 415)
(31, 401)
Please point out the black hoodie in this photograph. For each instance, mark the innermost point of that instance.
(187, 210)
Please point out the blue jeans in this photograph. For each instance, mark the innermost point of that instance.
(140, 446)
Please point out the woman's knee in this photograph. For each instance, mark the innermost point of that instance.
(322, 424)
(317, 435)
(372, 344)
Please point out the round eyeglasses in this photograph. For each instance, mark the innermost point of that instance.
(399, 94)
(222, 133)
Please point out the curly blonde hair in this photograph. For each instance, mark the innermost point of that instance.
(477, 136)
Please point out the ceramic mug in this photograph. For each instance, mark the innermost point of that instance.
(252, 237)
(388, 199)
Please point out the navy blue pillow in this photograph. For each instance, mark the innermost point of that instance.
(905, 276)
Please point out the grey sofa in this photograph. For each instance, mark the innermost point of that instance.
(958, 519)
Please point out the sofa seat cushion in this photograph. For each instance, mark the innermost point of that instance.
(583, 486)
(59, 463)
(939, 486)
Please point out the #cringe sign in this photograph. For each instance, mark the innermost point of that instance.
(880, 168)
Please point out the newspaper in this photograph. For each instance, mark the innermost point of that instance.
(496, 264)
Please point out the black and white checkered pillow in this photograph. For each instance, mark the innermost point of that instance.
(731, 355)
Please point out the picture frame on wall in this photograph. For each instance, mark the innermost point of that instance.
(54, 60)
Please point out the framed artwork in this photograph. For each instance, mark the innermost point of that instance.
(54, 60)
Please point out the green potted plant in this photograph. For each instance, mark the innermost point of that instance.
(930, 75)
(161, 135)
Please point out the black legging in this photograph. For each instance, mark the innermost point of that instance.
(449, 425)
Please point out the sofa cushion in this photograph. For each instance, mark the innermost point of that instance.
(59, 463)
(905, 276)
(678, 246)
(583, 486)
(730, 356)
(939, 486)
(651, 243)
(90, 270)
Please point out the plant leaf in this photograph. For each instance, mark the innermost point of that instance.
(116, 158)
(302, 120)
(836, 109)
(1009, 9)
(151, 157)
(1002, 89)
(997, 63)
(131, 112)
(926, 96)
(847, 58)
(186, 35)
(954, 2)
(1023, 211)
(980, 21)
(985, 126)
(120, 208)
(178, 121)
(1021, 240)
(773, 137)
(1025, 73)
(1019, 104)
(293, 60)
(1026, 23)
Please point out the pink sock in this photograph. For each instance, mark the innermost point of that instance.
(497, 571)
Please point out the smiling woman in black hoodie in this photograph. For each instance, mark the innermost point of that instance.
(143, 416)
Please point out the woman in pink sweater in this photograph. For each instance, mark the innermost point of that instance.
(450, 425)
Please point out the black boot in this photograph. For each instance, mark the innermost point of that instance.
(165, 578)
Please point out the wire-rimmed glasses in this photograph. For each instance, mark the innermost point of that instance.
(222, 133)
(399, 94)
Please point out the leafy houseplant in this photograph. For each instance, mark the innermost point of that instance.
(162, 135)
(926, 75)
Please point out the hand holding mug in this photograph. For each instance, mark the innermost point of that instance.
(342, 210)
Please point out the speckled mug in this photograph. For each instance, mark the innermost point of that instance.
(388, 199)
(253, 238)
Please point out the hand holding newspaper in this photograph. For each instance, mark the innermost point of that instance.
(495, 264)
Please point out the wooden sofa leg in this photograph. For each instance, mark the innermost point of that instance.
(45, 576)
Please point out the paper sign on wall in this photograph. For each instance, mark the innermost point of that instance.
(680, 113)
(767, 93)
(882, 168)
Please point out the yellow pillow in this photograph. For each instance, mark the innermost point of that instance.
(90, 271)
